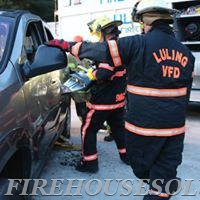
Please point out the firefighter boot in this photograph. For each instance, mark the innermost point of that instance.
(124, 158)
(87, 166)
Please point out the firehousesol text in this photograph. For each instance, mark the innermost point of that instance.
(75, 187)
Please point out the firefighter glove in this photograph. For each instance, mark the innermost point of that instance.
(90, 74)
(59, 43)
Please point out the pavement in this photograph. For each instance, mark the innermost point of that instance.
(61, 164)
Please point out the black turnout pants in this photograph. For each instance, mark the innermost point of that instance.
(154, 157)
(94, 121)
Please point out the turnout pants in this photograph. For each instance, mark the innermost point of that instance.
(93, 122)
(154, 157)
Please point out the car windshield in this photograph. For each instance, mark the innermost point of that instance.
(5, 26)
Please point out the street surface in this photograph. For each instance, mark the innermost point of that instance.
(60, 165)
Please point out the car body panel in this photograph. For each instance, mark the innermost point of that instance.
(32, 110)
(12, 110)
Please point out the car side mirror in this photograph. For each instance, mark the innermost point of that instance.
(46, 59)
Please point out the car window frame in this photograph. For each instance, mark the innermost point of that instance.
(8, 46)
(36, 32)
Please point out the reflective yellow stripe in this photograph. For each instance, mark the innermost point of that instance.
(105, 107)
(114, 53)
(85, 127)
(106, 66)
(154, 131)
(122, 150)
(157, 92)
(75, 49)
(90, 158)
(152, 192)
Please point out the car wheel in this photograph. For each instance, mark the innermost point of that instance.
(22, 171)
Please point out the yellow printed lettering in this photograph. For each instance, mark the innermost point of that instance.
(178, 56)
(163, 54)
(169, 71)
(176, 72)
(164, 70)
(158, 60)
(184, 61)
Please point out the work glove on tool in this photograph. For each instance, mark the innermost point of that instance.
(90, 74)
(59, 43)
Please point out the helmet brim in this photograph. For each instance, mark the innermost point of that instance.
(158, 9)
(113, 23)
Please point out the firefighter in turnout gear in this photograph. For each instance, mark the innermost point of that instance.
(98, 34)
(159, 78)
(107, 99)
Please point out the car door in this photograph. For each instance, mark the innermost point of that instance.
(43, 96)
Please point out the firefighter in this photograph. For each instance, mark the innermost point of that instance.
(99, 35)
(80, 101)
(107, 100)
(81, 109)
(159, 79)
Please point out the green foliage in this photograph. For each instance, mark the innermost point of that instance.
(43, 8)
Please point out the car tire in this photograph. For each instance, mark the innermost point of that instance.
(25, 173)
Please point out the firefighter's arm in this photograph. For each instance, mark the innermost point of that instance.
(64, 45)
(94, 51)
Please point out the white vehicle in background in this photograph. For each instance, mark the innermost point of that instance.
(73, 16)
(187, 30)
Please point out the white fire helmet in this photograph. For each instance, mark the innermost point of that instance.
(148, 11)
